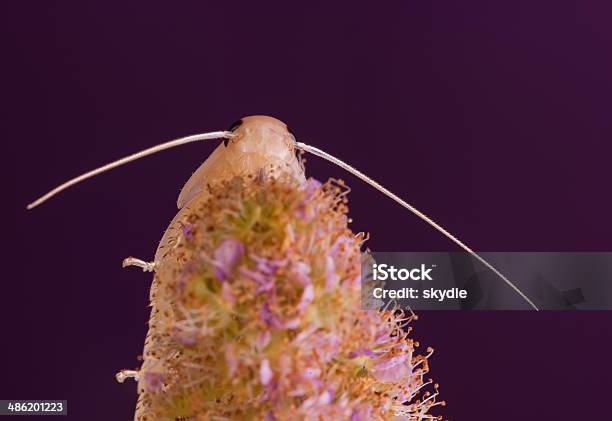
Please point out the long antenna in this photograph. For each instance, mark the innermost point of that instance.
(130, 158)
(362, 176)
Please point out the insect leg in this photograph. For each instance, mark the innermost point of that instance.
(133, 261)
(126, 374)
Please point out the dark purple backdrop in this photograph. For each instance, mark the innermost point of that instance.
(494, 118)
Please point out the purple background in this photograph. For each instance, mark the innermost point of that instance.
(493, 117)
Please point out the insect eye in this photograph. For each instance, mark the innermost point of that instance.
(235, 125)
(232, 128)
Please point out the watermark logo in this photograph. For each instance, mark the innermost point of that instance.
(384, 272)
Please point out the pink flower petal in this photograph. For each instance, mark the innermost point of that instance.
(231, 359)
(331, 277)
(307, 297)
(153, 382)
(301, 270)
(394, 369)
(262, 339)
(226, 257)
(265, 373)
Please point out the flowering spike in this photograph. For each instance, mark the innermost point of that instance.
(259, 316)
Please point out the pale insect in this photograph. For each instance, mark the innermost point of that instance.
(252, 145)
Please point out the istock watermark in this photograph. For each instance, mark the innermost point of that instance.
(456, 281)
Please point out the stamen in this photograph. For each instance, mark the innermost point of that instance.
(427, 383)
